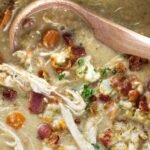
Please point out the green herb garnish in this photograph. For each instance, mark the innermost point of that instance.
(87, 92)
(61, 76)
(80, 62)
(98, 147)
(104, 72)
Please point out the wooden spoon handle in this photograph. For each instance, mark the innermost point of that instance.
(113, 35)
(120, 38)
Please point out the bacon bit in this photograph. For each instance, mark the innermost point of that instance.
(93, 108)
(93, 98)
(53, 139)
(51, 38)
(9, 94)
(15, 119)
(148, 86)
(77, 52)
(44, 131)
(104, 98)
(68, 39)
(106, 138)
(43, 74)
(121, 68)
(6, 18)
(122, 84)
(126, 87)
(36, 103)
(143, 106)
(133, 95)
(28, 23)
(117, 81)
(135, 63)
(77, 121)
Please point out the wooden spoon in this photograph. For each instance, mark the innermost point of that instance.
(113, 35)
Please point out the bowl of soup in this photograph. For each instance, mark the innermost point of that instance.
(64, 90)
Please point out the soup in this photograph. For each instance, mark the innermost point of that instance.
(131, 14)
(64, 90)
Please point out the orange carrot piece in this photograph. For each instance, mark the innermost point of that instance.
(15, 119)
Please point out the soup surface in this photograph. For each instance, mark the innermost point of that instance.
(64, 90)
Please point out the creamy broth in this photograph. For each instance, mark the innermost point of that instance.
(103, 62)
(131, 14)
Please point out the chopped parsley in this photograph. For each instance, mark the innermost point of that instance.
(105, 71)
(86, 94)
(98, 147)
(61, 76)
(80, 62)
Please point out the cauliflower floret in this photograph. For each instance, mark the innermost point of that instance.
(86, 70)
(105, 87)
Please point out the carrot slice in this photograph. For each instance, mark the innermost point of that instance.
(51, 38)
(15, 119)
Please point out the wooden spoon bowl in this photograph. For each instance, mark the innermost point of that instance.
(113, 35)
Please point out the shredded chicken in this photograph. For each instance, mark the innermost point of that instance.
(12, 76)
(92, 124)
(76, 134)
(16, 144)
(76, 104)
